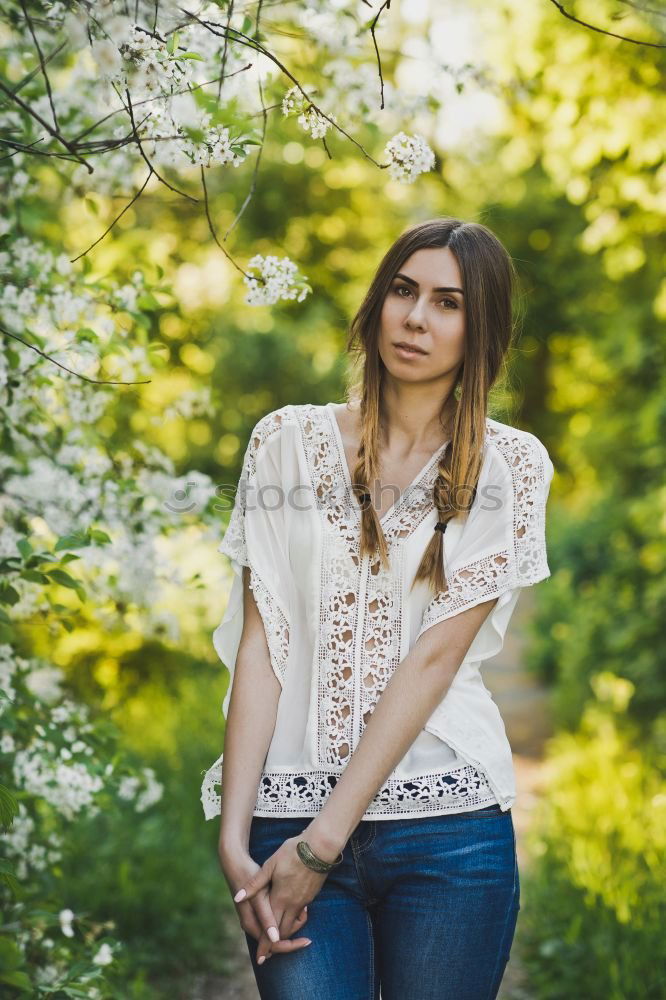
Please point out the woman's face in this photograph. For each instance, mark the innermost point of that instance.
(424, 307)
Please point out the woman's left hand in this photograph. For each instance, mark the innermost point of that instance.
(293, 885)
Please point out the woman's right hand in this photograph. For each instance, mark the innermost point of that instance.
(256, 915)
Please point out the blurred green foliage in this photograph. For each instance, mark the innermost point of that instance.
(573, 184)
(594, 905)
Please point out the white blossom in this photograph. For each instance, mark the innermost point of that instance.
(104, 956)
(69, 788)
(409, 156)
(66, 918)
(45, 683)
(280, 281)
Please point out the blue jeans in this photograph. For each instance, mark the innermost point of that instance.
(424, 909)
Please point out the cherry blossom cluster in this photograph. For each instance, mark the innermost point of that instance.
(309, 118)
(279, 280)
(410, 156)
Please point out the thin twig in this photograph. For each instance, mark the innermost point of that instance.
(643, 9)
(257, 47)
(41, 62)
(212, 227)
(602, 31)
(386, 4)
(96, 381)
(33, 72)
(223, 60)
(158, 97)
(117, 218)
(255, 172)
(56, 135)
(147, 161)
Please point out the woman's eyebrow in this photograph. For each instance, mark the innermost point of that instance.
(415, 284)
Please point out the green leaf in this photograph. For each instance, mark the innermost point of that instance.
(7, 594)
(98, 535)
(8, 807)
(34, 576)
(190, 55)
(64, 579)
(85, 333)
(77, 540)
(70, 557)
(147, 301)
(172, 43)
(19, 979)
(24, 547)
(10, 956)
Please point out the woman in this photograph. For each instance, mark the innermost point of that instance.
(379, 548)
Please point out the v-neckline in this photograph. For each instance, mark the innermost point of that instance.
(337, 434)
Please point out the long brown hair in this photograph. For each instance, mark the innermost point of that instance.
(488, 281)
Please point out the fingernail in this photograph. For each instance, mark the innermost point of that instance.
(241, 894)
(273, 933)
(308, 941)
(260, 961)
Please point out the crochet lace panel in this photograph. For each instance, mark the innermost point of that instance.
(360, 608)
(525, 562)
(299, 791)
(305, 792)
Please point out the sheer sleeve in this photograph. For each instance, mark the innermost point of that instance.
(502, 545)
(255, 537)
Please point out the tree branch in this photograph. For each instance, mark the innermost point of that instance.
(53, 132)
(602, 31)
(86, 378)
(117, 218)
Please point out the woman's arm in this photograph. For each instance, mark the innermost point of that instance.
(250, 725)
(412, 694)
(415, 689)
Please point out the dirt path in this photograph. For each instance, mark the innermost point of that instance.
(524, 707)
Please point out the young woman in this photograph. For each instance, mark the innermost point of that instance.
(379, 548)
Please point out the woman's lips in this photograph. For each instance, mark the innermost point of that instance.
(405, 352)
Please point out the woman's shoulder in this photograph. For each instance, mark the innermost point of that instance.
(521, 450)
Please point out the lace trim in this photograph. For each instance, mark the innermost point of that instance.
(276, 625)
(480, 581)
(492, 575)
(523, 454)
(292, 793)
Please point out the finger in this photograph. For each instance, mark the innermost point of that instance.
(266, 948)
(291, 919)
(249, 921)
(250, 888)
(281, 947)
(268, 917)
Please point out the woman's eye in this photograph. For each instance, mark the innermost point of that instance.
(399, 289)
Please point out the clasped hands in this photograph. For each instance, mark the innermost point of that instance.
(272, 899)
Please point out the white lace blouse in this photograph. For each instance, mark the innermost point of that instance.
(337, 625)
